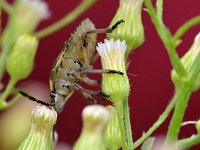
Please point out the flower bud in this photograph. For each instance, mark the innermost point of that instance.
(95, 119)
(132, 31)
(112, 57)
(24, 19)
(21, 59)
(113, 135)
(191, 63)
(40, 136)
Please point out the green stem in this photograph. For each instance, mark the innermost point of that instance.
(6, 93)
(6, 6)
(185, 27)
(159, 10)
(128, 124)
(189, 142)
(120, 114)
(161, 119)
(166, 39)
(184, 93)
(85, 4)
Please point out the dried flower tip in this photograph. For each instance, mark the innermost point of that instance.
(112, 57)
(22, 57)
(95, 119)
(40, 136)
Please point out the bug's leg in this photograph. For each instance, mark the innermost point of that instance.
(34, 99)
(96, 56)
(77, 87)
(105, 30)
(101, 71)
(89, 97)
(89, 81)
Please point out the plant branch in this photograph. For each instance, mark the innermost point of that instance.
(161, 119)
(186, 26)
(83, 6)
(189, 142)
(166, 39)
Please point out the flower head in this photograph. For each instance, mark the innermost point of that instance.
(132, 31)
(40, 136)
(95, 119)
(112, 55)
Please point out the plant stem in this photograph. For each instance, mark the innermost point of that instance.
(127, 124)
(6, 93)
(85, 4)
(6, 6)
(161, 119)
(189, 142)
(186, 26)
(166, 39)
(184, 93)
(120, 114)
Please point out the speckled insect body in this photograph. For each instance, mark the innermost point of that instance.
(75, 57)
(73, 64)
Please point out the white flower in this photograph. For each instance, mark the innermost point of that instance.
(112, 55)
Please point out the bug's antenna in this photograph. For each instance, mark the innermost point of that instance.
(34, 99)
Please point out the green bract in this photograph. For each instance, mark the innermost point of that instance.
(132, 31)
(21, 59)
(40, 136)
(113, 135)
(95, 119)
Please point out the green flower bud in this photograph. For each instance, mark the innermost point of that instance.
(95, 119)
(132, 31)
(191, 63)
(21, 59)
(24, 19)
(40, 136)
(112, 57)
(113, 135)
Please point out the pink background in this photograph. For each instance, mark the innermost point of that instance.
(151, 88)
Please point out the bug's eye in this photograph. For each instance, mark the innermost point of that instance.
(52, 95)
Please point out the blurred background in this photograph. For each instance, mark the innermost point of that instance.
(149, 69)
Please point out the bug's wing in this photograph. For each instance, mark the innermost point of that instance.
(75, 47)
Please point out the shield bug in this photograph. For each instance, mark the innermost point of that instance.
(73, 64)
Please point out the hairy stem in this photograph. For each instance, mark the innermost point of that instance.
(184, 93)
(166, 39)
(127, 124)
(120, 114)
